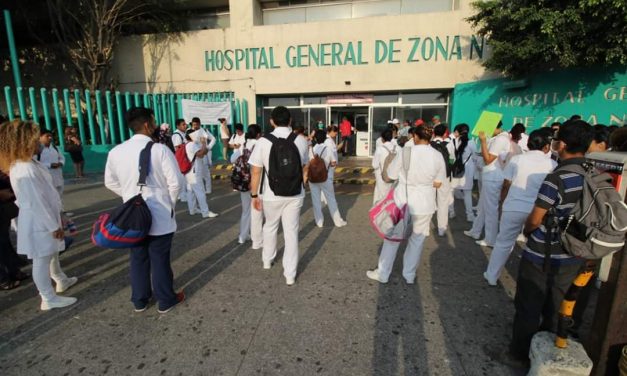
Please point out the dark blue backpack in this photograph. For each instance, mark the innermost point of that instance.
(128, 225)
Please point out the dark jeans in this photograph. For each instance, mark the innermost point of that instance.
(9, 260)
(539, 295)
(347, 149)
(153, 259)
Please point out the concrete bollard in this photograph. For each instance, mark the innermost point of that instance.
(548, 360)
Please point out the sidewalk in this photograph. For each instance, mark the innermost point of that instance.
(242, 320)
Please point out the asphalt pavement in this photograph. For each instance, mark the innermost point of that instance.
(239, 319)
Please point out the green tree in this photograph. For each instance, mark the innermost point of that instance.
(529, 36)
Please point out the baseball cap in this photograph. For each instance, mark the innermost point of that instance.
(395, 121)
(419, 122)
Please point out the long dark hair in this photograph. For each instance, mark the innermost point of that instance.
(463, 130)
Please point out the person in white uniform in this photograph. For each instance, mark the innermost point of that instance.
(179, 139)
(150, 265)
(238, 138)
(523, 175)
(208, 140)
(493, 153)
(387, 147)
(464, 149)
(52, 159)
(326, 149)
(251, 221)
(225, 134)
(196, 198)
(40, 234)
(420, 170)
(278, 209)
(444, 194)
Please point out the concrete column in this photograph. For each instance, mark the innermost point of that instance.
(245, 14)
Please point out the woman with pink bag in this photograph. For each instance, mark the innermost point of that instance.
(418, 179)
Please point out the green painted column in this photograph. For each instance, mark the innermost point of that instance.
(155, 108)
(146, 100)
(179, 105)
(128, 100)
(137, 100)
(90, 117)
(45, 108)
(111, 117)
(20, 103)
(66, 105)
(245, 113)
(164, 109)
(120, 111)
(101, 122)
(58, 117)
(79, 117)
(12, 50)
(33, 104)
(7, 98)
(172, 111)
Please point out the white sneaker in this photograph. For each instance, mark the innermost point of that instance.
(374, 275)
(471, 235)
(341, 224)
(290, 281)
(491, 283)
(521, 238)
(193, 212)
(210, 215)
(483, 243)
(410, 281)
(267, 265)
(320, 224)
(69, 214)
(257, 246)
(57, 302)
(63, 286)
(442, 232)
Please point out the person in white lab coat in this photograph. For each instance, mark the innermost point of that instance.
(209, 141)
(444, 194)
(420, 170)
(381, 188)
(40, 234)
(52, 159)
(326, 149)
(465, 150)
(179, 140)
(150, 269)
(523, 175)
(278, 209)
(196, 197)
(251, 221)
(494, 153)
(238, 138)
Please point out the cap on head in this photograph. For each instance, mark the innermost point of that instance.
(419, 122)
(395, 121)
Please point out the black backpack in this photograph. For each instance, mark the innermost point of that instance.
(285, 169)
(441, 147)
(458, 168)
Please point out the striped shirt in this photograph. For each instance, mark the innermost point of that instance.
(560, 191)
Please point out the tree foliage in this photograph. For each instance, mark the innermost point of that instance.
(529, 36)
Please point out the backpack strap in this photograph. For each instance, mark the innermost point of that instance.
(270, 137)
(144, 164)
(292, 137)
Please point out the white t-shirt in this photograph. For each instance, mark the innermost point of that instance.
(260, 157)
(237, 139)
(224, 131)
(248, 144)
(191, 148)
(328, 152)
(381, 153)
(524, 139)
(500, 147)
(526, 172)
(425, 167)
(178, 138)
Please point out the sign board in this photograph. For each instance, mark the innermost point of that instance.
(208, 112)
(350, 99)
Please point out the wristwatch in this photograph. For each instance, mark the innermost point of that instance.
(253, 196)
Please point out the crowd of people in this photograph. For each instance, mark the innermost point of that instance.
(424, 166)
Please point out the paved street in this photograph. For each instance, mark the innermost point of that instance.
(242, 320)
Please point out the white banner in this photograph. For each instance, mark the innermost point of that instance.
(208, 112)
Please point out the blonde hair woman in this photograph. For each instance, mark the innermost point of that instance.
(39, 227)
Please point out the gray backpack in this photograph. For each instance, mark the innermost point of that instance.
(597, 224)
(386, 164)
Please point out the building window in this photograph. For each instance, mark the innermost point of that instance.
(277, 12)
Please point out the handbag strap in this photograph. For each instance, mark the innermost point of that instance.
(144, 164)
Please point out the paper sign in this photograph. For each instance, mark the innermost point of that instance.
(208, 112)
(487, 123)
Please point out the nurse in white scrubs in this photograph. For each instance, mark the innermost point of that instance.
(386, 147)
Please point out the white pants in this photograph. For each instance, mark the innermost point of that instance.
(509, 229)
(43, 269)
(328, 192)
(488, 213)
(411, 258)
(251, 223)
(196, 195)
(286, 212)
(183, 193)
(468, 203)
(205, 177)
(60, 192)
(381, 188)
(444, 199)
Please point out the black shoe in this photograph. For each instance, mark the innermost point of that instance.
(504, 356)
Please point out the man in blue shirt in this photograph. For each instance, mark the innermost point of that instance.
(541, 286)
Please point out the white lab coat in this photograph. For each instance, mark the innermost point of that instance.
(251, 221)
(40, 210)
(163, 183)
(48, 156)
(208, 138)
(328, 152)
(381, 188)
(194, 178)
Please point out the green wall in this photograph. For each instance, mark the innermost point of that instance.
(598, 95)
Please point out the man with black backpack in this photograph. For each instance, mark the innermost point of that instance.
(546, 269)
(278, 164)
(151, 270)
(444, 195)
